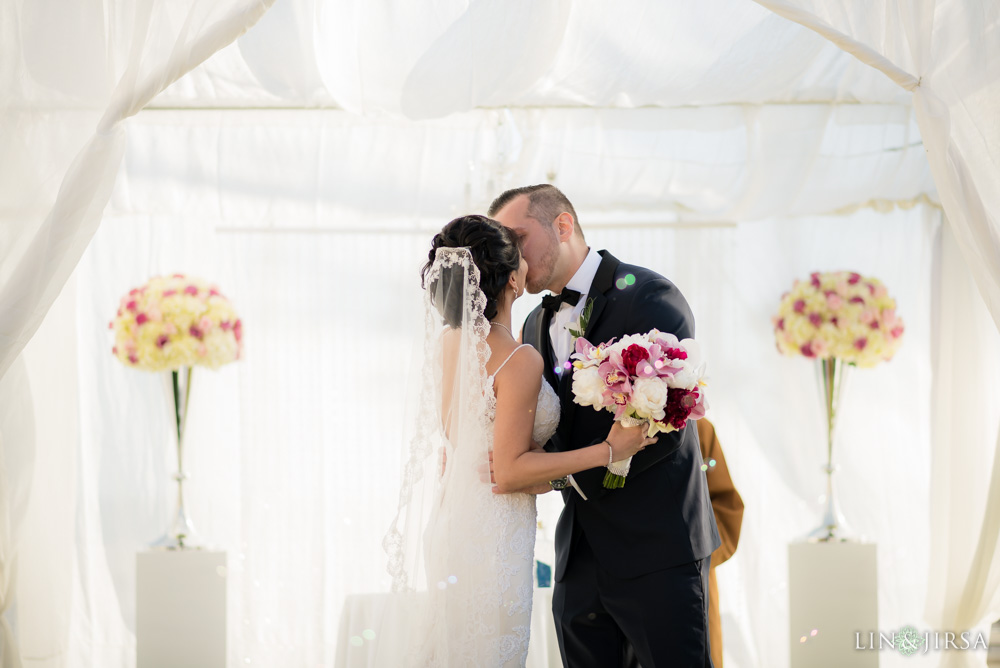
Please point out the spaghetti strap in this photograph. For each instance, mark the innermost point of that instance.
(523, 345)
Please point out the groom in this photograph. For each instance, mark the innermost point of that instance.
(631, 563)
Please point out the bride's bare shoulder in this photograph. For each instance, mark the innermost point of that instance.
(522, 361)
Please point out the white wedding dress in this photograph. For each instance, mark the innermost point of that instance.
(460, 555)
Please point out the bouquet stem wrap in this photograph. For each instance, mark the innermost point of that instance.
(618, 471)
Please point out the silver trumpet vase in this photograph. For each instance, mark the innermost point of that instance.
(180, 534)
(831, 374)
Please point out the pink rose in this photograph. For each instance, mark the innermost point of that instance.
(799, 306)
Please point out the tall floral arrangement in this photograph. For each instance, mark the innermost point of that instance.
(839, 314)
(839, 319)
(174, 323)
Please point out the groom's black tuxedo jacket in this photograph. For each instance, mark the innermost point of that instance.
(663, 516)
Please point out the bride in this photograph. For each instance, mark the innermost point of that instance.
(460, 550)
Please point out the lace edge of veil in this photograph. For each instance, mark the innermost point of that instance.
(428, 426)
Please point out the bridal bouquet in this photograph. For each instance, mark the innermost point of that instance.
(648, 379)
(840, 315)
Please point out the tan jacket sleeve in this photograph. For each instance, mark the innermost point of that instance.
(726, 501)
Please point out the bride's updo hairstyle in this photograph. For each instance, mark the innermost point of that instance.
(495, 251)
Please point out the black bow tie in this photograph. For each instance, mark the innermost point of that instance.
(553, 302)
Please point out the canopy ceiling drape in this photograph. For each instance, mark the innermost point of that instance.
(337, 116)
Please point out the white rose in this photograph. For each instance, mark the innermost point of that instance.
(649, 395)
(687, 377)
(588, 387)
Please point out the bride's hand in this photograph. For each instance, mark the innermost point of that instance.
(626, 441)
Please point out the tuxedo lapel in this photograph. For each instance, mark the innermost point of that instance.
(604, 280)
(542, 323)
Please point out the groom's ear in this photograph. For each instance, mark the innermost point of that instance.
(564, 225)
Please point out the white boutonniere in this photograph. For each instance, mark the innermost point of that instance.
(578, 328)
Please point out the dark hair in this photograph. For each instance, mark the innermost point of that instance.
(495, 252)
(545, 203)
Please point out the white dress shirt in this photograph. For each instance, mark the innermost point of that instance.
(562, 340)
(567, 315)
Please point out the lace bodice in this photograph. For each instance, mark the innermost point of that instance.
(546, 415)
(546, 412)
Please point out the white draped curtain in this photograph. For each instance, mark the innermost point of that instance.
(947, 52)
(71, 75)
(304, 166)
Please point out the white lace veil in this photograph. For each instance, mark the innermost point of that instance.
(441, 547)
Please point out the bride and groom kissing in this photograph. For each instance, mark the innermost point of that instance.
(631, 571)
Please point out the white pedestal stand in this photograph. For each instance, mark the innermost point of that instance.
(181, 609)
(833, 591)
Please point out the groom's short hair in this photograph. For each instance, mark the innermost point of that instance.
(545, 203)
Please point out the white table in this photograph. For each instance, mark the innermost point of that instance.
(833, 594)
(360, 618)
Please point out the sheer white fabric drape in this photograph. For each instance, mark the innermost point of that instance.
(784, 123)
(948, 53)
(71, 76)
(280, 480)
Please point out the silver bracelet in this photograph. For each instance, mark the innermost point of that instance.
(611, 451)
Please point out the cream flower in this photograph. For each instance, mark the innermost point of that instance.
(649, 395)
(588, 387)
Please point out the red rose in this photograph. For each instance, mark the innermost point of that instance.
(680, 403)
(676, 353)
(632, 356)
